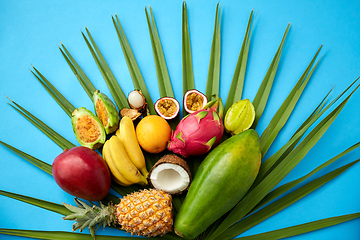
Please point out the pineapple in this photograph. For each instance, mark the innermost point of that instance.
(147, 213)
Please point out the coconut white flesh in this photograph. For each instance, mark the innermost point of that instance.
(170, 178)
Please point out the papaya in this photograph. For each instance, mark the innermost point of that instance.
(222, 180)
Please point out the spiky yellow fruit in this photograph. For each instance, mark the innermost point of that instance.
(147, 213)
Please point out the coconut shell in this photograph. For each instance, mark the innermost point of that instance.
(173, 159)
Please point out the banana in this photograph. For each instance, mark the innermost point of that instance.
(127, 135)
(116, 175)
(123, 163)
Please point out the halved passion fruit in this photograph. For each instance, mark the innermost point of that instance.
(167, 107)
(194, 101)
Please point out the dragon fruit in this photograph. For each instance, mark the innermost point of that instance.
(198, 132)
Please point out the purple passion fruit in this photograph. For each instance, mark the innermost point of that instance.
(167, 107)
(194, 101)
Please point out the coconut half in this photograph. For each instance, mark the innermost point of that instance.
(170, 174)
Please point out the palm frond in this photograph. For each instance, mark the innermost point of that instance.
(263, 92)
(187, 65)
(213, 79)
(37, 162)
(282, 203)
(254, 196)
(135, 73)
(57, 96)
(79, 73)
(110, 80)
(302, 228)
(283, 114)
(165, 88)
(237, 83)
(54, 136)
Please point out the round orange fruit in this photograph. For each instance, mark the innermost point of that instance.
(153, 133)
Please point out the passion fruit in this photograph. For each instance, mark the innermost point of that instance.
(167, 107)
(194, 100)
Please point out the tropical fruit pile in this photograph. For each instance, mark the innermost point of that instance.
(195, 176)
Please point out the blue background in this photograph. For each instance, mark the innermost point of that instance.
(30, 32)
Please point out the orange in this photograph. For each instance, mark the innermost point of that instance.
(153, 133)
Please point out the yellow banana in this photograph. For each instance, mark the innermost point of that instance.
(116, 175)
(127, 135)
(123, 163)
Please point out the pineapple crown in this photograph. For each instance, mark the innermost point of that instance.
(90, 216)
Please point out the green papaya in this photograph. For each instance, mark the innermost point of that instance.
(222, 179)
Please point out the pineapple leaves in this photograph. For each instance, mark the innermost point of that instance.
(213, 79)
(237, 84)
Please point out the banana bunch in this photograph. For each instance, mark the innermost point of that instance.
(124, 157)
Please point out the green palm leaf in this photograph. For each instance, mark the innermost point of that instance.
(237, 83)
(133, 67)
(37, 162)
(302, 228)
(110, 80)
(60, 235)
(263, 93)
(57, 96)
(254, 196)
(79, 73)
(54, 136)
(163, 77)
(187, 65)
(282, 203)
(276, 158)
(58, 208)
(213, 79)
(282, 115)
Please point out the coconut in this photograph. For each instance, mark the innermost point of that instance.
(170, 174)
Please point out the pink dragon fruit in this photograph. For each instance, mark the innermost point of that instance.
(198, 132)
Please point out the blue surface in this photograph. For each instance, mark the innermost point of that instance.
(30, 32)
